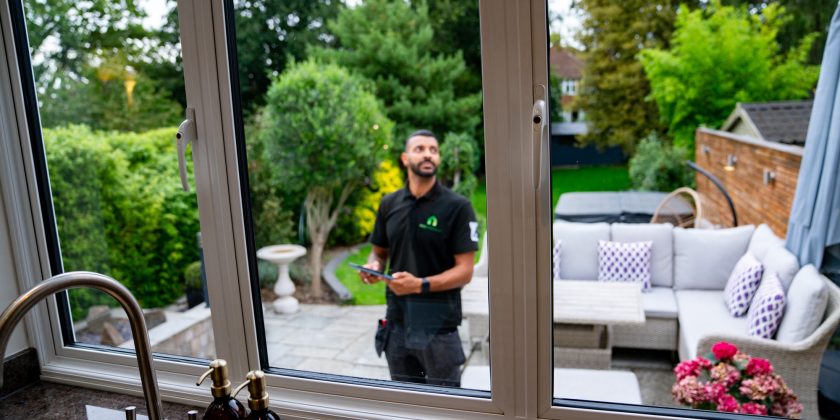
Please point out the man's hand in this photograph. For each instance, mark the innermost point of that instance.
(405, 283)
(370, 278)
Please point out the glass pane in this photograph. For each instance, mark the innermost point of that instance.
(652, 266)
(331, 93)
(110, 90)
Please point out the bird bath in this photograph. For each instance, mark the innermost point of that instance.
(282, 256)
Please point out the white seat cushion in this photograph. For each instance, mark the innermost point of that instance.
(782, 262)
(704, 258)
(702, 313)
(807, 299)
(763, 240)
(662, 257)
(660, 302)
(580, 248)
(579, 384)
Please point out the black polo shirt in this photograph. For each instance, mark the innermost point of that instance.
(422, 236)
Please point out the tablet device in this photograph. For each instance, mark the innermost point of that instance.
(369, 271)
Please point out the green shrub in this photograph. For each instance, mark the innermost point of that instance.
(192, 276)
(657, 166)
(120, 211)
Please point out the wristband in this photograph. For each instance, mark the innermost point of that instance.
(425, 287)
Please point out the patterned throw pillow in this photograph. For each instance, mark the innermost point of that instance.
(625, 262)
(742, 284)
(767, 308)
(555, 259)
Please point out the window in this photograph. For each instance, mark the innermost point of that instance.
(262, 105)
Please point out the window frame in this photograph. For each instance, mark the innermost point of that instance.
(515, 72)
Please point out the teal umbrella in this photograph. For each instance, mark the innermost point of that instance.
(815, 215)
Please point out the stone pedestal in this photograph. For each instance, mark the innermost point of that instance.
(282, 256)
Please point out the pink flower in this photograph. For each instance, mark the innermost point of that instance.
(687, 368)
(690, 391)
(727, 404)
(715, 390)
(753, 408)
(725, 374)
(704, 363)
(759, 366)
(724, 351)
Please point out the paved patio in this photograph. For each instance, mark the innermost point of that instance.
(339, 340)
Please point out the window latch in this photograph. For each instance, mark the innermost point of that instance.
(186, 134)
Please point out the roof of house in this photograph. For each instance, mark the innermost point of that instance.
(565, 64)
(781, 121)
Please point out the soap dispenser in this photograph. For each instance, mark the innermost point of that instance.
(224, 406)
(258, 400)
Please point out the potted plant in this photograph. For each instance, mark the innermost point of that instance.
(730, 381)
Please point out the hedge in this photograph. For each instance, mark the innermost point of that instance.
(120, 211)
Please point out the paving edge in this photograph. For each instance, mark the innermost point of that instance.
(332, 280)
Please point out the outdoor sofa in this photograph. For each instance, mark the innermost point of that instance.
(685, 309)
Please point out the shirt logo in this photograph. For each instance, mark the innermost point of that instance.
(431, 224)
(474, 231)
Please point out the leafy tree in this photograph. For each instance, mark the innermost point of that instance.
(614, 89)
(721, 56)
(657, 166)
(391, 43)
(324, 133)
(458, 162)
(270, 33)
(804, 17)
(355, 224)
(456, 30)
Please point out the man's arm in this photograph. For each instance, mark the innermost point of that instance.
(405, 283)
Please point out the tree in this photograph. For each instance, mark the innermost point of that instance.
(657, 166)
(270, 33)
(721, 56)
(614, 88)
(324, 132)
(458, 162)
(390, 43)
(804, 17)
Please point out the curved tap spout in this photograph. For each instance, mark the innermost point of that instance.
(15, 312)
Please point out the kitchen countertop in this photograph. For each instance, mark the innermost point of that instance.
(46, 400)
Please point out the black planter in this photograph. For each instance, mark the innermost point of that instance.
(195, 297)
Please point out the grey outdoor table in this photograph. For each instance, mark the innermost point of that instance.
(611, 207)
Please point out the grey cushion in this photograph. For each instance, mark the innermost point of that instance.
(580, 248)
(704, 258)
(660, 302)
(662, 251)
(763, 240)
(807, 299)
(703, 313)
(782, 262)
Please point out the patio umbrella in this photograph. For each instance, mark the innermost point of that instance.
(815, 215)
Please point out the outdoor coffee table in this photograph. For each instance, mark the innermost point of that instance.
(584, 312)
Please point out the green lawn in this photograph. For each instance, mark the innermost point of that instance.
(594, 178)
(363, 294)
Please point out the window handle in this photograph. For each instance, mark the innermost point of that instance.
(186, 134)
(539, 136)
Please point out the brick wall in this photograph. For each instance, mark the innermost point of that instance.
(755, 201)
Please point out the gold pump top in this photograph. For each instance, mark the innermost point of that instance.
(218, 372)
(258, 399)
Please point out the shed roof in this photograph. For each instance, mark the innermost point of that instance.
(780, 121)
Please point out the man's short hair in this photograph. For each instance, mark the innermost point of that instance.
(424, 133)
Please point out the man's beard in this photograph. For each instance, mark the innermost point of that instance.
(416, 170)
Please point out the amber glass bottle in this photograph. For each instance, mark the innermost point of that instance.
(224, 406)
(258, 399)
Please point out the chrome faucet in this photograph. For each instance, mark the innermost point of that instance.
(15, 312)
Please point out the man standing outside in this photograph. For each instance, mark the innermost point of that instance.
(430, 235)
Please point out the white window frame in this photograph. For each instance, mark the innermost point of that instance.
(515, 73)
